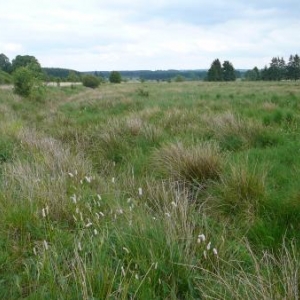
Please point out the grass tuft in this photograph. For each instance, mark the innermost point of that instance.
(199, 163)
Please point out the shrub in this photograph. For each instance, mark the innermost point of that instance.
(28, 82)
(115, 77)
(23, 81)
(91, 81)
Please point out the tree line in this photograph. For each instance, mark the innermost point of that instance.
(278, 70)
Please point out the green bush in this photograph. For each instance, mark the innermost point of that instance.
(91, 81)
(115, 77)
(23, 81)
(26, 81)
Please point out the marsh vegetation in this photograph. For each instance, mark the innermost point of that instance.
(186, 190)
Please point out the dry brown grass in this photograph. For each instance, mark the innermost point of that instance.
(199, 163)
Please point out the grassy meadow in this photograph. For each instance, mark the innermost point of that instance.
(151, 191)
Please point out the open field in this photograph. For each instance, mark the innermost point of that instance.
(151, 191)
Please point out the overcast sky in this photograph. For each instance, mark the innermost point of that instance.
(153, 34)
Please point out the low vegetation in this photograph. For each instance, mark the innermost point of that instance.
(90, 81)
(181, 190)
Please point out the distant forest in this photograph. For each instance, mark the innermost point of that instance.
(159, 75)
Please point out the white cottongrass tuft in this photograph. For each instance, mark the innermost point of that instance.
(43, 213)
(215, 251)
(88, 179)
(71, 174)
(168, 215)
(140, 191)
(99, 197)
(123, 271)
(89, 224)
(113, 180)
(95, 231)
(208, 246)
(126, 250)
(34, 251)
(45, 245)
(79, 246)
(205, 254)
(201, 238)
(74, 199)
(174, 204)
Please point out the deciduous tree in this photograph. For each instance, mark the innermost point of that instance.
(24, 61)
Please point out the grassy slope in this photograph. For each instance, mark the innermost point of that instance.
(5, 78)
(105, 192)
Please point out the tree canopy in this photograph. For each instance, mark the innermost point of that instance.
(277, 70)
(218, 72)
(228, 71)
(25, 61)
(215, 72)
(5, 64)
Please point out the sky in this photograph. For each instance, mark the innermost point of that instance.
(149, 35)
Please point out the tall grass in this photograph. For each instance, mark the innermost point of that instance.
(190, 192)
(198, 163)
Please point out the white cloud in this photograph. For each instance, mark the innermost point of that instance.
(131, 34)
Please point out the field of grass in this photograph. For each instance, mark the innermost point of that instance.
(151, 191)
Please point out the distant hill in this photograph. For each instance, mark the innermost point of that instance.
(5, 78)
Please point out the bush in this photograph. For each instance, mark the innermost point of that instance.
(91, 81)
(115, 77)
(28, 82)
(23, 81)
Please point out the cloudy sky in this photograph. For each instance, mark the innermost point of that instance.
(152, 34)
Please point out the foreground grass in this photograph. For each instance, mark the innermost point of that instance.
(151, 191)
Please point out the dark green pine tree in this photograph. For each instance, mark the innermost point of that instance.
(215, 73)
(228, 71)
(293, 67)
